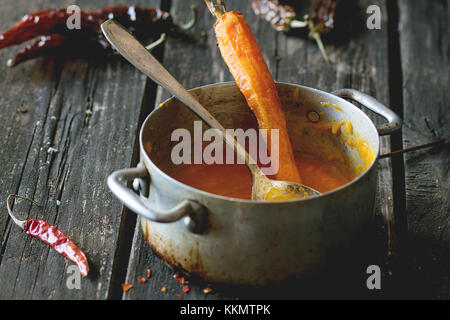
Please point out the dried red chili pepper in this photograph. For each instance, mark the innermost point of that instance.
(51, 25)
(278, 15)
(283, 18)
(51, 236)
(323, 15)
(45, 45)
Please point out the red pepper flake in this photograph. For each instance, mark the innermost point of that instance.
(149, 273)
(186, 289)
(178, 278)
(142, 279)
(207, 290)
(126, 287)
(179, 296)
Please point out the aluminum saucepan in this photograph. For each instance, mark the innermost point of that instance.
(232, 241)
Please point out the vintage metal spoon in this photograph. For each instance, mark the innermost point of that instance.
(131, 49)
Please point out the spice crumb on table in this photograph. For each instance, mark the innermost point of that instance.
(207, 290)
(126, 287)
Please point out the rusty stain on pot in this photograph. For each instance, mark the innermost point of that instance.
(168, 253)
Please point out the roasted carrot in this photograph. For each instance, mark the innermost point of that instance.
(241, 53)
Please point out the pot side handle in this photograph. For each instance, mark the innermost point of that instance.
(394, 121)
(194, 214)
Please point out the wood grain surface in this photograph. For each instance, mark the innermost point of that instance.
(67, 123)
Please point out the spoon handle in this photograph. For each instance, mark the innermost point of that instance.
(132, 50)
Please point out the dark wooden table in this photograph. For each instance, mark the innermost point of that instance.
(90, 110)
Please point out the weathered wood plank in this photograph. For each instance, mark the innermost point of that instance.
(424, 39)
(57, 93)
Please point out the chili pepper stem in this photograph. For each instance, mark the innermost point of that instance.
(210, 6)
(298, 24)
(192, 22)
(11, 62)
(316, 36)
(215, 9)
(153, 45)
(20, 223)
(222, 4)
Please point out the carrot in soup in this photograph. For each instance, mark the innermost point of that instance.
(241, 53)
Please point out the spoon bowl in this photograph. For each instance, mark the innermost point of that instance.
(265, 189)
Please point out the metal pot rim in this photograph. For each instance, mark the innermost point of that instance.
(149, 163)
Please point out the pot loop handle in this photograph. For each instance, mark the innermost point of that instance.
(394, 121)
(194, 213)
